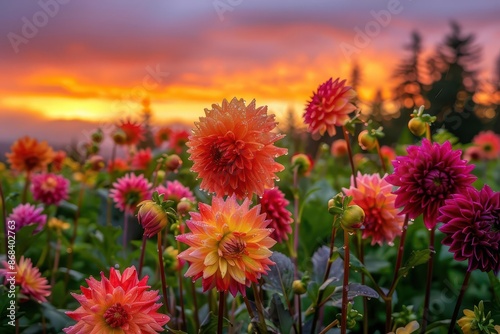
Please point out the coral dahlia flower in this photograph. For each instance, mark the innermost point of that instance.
(472, 227)
(134, 133)
(426, 177)
(27, 214)
(142, 159)
(273, 203)
(162, 135)
(178, 138)
(329, 107)
(49, 188)
(120, 304)
(339, 148)
(383, 221)
(175, 191)
(130, 190)
(233, 151)
(489, 143)
(27, 154)
(228, 245)
(117, 165)
(28, 278)
(58, 161)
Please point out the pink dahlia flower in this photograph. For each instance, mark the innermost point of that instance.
(142, 159)
(273, 203)
(27, 214)
(489, 143)
(49, 188)
(329, 107)
(383, 221)
(130, 190)
(120, 304)
(32, 283)
(426, 177)
(472, 227)
(175, 191)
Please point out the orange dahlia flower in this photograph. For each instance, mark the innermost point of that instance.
(228, 245)
(27, 154)
(383, 221)
(133, 133)
(32, 283)
(120, 304)
(329, 107)
(233, 151)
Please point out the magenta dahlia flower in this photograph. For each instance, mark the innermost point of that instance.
(49, 188)
(27, 214)
(273, 203)
(426, 177)
(130, 190)
(175, 191)
(472, 227)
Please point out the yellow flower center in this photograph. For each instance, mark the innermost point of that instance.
(49, 184)
(232, 246)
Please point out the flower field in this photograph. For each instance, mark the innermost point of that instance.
(230, 226)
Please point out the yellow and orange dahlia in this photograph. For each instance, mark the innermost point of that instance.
(27, 154)
(228, 245)
(233, 151)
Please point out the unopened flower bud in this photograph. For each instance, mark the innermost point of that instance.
(95, 163)
(184, 206)
(298, 287)
(352, 218)
(173, 162)
(152, 217)
(366, 140)
(119, 137)
(170, 259)
(417, 126)
(97, 136)
(303, 162)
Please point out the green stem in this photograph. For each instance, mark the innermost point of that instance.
(430, 265)
(382, 160)
(162, 273)
(25, 189)
(181, 293)
(56, 262)
(260, 307)
(195, 308)
(4, 216)
(220, 315)
(143, 251)
(345, 284)
(349, 151)
(330, 326)
(459, 302)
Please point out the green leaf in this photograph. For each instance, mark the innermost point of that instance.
(355, 290)
(280, 278)
(209, 325)
(353, 261)
(417, 257)
(279, 315)
(57, 318)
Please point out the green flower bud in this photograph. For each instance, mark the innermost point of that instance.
(352, 218)
(298, 287)
(417, 126)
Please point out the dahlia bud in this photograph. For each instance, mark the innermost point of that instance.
(417, 126)
(97, 136)
(173, 162)
(352, 217)
(95, 163)
(366, 140)
(184, 206)
(152, 217)
(170, 259)
(303, 162)
(119, 137)
(339, 148)
(298, 287)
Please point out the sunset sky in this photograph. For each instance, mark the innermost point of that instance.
(93, 61)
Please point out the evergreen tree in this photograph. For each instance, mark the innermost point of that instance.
(455, 81)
